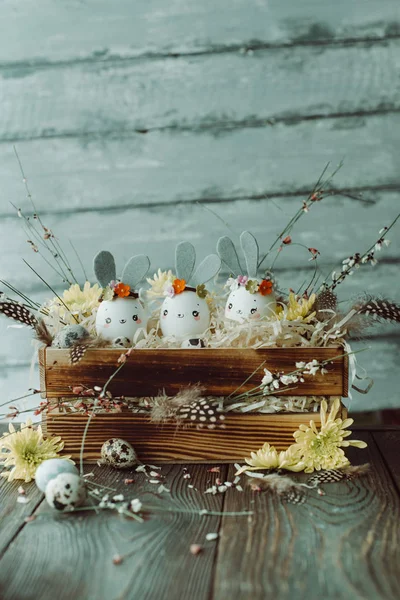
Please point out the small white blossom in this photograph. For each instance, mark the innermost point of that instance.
(288, 379)
(267, 377)
(300, 365)
(136, 505)
(232, 284)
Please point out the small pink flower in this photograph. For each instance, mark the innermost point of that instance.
(169, 291)
(113, 284)
(242, 279)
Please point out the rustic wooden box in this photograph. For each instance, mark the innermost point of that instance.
(147, 372)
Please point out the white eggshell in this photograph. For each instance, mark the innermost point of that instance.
(118, 453)
(120, 318)
(242, 306)
(66, 491)
(184, 315)
(49, 469)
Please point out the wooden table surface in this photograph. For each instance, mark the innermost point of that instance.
(344, 545)
(134, 119)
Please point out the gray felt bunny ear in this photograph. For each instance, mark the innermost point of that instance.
(135, 270)
(251, 252)
(104, 268)
(185, 259)
(206, 270)
(227, 253)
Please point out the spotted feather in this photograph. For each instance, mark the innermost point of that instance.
(381, 309)
(202, 413)
(18, 312)
(329, 476)
(76, 353)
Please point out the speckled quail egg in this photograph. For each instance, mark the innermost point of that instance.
(122, 342)
(66, 491)
(118, 454)
(68, 336)
(50, 469)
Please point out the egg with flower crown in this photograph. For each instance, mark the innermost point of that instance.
(185, 313)
(250, 298)
(121, 312)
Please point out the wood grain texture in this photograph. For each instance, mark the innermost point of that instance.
(169, 443)
(91, 30)
(163, 167)
(216, 92)
(388, 443)
(61, 547)
(220, 372)
(339, 546)
(380, 358)
(13, 513)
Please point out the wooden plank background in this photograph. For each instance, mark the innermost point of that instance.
(132, 119)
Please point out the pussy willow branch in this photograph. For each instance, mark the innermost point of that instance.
(343, 274)
(311, 199)
(92, 414)
(79, 260)
(258, 390)
(31, 232)
(51, 289)
(54, 247)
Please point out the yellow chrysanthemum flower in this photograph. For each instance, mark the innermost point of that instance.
(297, 309)
(160, 280)
(313, 450)
(81, 303)
(323, 449)
(269, 458)
(25, 450)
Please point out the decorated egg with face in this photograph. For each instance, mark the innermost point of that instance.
(242, 305)
(184, 315)
(120, 318)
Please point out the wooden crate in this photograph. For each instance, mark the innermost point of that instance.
(147, 372)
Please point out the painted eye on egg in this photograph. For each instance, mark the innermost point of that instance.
(165, 312)
(195, 313)
(135, 317)
(108, 320)
(253, 311)
(230, 305)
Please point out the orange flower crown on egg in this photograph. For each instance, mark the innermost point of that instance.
(122, 290)
(118, 289)
(266, 287)
(179, 285)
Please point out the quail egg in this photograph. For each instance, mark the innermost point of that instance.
(50, 469)
(66, 491)
(118, 454)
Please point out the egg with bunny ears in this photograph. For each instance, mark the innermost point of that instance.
(185, 313)
(250, 297)
(124, 313)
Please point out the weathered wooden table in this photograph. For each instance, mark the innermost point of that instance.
(341, 545)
